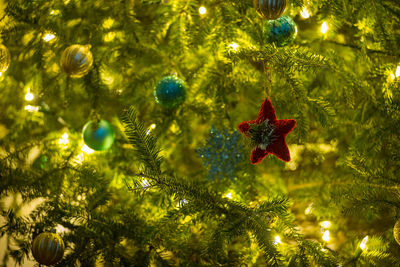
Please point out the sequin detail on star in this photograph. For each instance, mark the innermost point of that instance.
(270, 9)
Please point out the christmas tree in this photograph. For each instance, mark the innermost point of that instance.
(200, 133)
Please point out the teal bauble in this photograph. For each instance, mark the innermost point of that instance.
(170, 92)
(281, 31)
(98, 136)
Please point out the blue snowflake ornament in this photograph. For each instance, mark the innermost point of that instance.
(222, 154)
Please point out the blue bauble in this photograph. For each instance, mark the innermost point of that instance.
(170, 92)
(281, 31)
(98, 136)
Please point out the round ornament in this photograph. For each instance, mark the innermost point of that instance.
(77, 60)
(98, 136)
(270, 9)
(396, 231)
(282, 31)
(40, 162)
(170, 92)
(48, 248)
(5, 58)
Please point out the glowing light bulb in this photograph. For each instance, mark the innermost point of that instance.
(79, 197)
(326, 236)
(324, 27)
(229, 195)
(152, 127)
(202, 10)
(29, 96)
(309, 209)
(363, 244)
(108, 23)
(304, 13)
(392, 77)
(87, 149)
(109, 37)
(145, 184)
(31, 108)
(325, 224)
(277, 240)
(64, 140)
(397, 71)
(48, 37)
(234, 46)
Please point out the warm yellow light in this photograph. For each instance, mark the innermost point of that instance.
(151, 127)
(277, 240)
(87, 149)
(309, 209)
(54, 12)
(109, 37)
(326, 236)
(145, 184)
(398, 71)
(229, 195)
(202, 10)
(108, 23)
(325, 224)
(304, 13)
(392, 77)
(29, 96)
(363, 244)
(324, 27)
(48, 37)
(234, 46)
(31, 108)
(64, 139)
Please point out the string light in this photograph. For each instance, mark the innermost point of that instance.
(277, 240)
(64, 140)
(397, 72)
(324, 27)
(152, 127)
(309, 209)
(326, 236)
(234, 46)
(48, 37)
(145, 184)
(29, 96)
(363, 244)
(304, 13)
(87, 149)
(229, 195)
(181, 203)
(109, 37)
(325, 224)
(30, 108)
(202, 10)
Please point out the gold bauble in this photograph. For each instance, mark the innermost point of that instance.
(77, 60)
(48, 248)
(270, 9)
(396, 231)
(5, 58)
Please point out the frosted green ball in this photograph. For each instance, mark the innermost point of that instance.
(170, 92)
(98, 137)
(281, 31)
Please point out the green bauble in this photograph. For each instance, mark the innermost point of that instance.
(40, 162)
(48, 248)
(170, 92)
(77, 60)
(270, 9)
(281, 32)
(98, 137)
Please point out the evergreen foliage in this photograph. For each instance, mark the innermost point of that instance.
(147, 200)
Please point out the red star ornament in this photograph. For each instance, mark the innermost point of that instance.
(268, 134)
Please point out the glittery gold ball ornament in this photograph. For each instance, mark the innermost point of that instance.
(270, 9)
(77, 60)
(5, 58)
(396, 231)
(48, 248)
